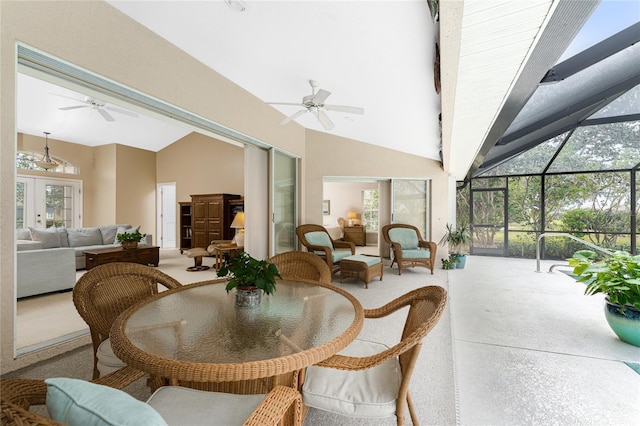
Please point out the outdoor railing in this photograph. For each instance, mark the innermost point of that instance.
(563, 234)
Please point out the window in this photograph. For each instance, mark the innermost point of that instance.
(26, 160)
(370, 206)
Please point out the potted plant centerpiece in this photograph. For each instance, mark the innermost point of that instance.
(250, 277)
(130, 240)
(618, 278)
(456, 238)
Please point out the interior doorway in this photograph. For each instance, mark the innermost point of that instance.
(166, 220)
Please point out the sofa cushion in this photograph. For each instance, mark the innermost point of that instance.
(23, 234)
(28, 245)
(109, 232)
(50, 238)
(64, 238)
(84, 237)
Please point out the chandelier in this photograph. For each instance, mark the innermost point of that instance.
(46, 163)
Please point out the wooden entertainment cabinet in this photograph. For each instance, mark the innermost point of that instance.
(206, 218)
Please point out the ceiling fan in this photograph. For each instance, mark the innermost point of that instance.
(98, 105)
(314, 103)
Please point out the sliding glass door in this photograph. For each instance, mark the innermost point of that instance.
(409, 203)
(284, 172)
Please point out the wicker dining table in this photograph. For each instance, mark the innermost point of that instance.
(195, 336)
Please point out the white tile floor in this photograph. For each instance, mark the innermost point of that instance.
(531, 349)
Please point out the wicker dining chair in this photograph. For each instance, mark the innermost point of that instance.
(103, 293)
(408, 247)
(301, 264)
(369, 379)
(317, 240)
(171, 404)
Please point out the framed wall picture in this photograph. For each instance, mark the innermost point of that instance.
(326, 207)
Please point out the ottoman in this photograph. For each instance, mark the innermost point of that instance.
(361, 266)
(197, 254)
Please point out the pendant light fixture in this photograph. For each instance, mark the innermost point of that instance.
(46, 163)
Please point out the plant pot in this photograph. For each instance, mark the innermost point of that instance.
(461, 260)
(247, 297)
(129, 244)
(625, 324)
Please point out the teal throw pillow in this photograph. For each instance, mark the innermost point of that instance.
(80, 403)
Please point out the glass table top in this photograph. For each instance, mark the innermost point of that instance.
(201, 324)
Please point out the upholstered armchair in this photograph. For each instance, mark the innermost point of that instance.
(408, 247)
(317, 240)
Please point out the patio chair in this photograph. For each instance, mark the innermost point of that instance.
(304, 265)
(409, 249)
(103, 293)
(370, 379)
(317, 240)
(88, 403)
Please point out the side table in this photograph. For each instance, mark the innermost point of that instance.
(220, 250)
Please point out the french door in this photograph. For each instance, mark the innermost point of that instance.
(284, 172)
(44, 202)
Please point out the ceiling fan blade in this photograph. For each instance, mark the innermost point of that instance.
(284, 103)
(73, 107)
(344, 108)
(293, 116)
(121, 111)
(106, 115)
(324, 119)
(320, 97)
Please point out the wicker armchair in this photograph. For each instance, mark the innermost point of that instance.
(104, 292)
(369, 379)
(300, 264)
(317, 240)
(18, 395)
(409, 249)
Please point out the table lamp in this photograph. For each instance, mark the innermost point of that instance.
(351, 215)
(238, 225)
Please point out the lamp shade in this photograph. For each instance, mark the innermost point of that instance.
(238, 220)
(352, 215)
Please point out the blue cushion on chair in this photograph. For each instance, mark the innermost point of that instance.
(319, 238)
(407, 238)
(338, 255)
(416, 254)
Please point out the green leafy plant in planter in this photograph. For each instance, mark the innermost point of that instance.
(456, 238)
(618, 278)
(448, 263)
(130, 239)
(247, 272)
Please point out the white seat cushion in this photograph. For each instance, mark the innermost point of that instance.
(184, 406)
(108, 362)
(366, 393)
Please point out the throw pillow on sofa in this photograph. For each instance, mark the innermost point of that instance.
(50, 238)
(81, 237)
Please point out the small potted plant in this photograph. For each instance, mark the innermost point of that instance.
(456, 238)
(448, 264)
(130, 240)
(250, 277)
(618, 278)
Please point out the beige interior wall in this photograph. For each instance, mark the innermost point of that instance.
(201, 164)
(100, 196)
(136, 188)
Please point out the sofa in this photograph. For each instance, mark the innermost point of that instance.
(47, 259)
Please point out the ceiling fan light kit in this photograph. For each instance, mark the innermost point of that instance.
(46, 163)
(314, 103)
